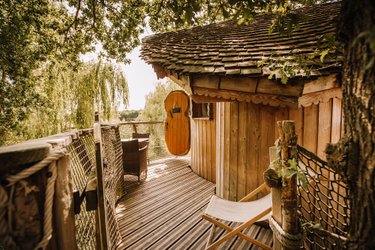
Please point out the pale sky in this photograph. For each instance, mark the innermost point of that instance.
(140, 76)
(141, 79)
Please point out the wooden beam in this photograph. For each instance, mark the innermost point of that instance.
(206, 99)
(320, 84)
(319, 97)
(245, 84)
(266, 99)
(182, 80)
(267, 86)
(159, 70)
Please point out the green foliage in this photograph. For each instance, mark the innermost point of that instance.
(154, 111)
(154, 106)
(69, 97)
(129, 115)
(292, 170)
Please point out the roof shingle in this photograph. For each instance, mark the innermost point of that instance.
(232, 49)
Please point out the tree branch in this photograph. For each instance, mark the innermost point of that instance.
(74, 21)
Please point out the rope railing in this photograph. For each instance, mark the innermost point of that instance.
(82, 155)
(6, 199)
(310, 201)
(79, 152)
(323, 205)
(113, 180)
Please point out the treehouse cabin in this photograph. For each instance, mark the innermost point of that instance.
(73, 191)
(235, 75)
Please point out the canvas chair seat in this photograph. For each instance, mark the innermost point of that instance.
(238, 211)
(245, 212)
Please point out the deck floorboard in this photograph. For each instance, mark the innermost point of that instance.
(164, 211)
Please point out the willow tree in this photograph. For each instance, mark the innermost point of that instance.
(69, 98)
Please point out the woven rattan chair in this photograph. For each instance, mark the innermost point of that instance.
(244, 211)
(134, 158)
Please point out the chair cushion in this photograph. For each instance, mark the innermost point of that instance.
(238, 211)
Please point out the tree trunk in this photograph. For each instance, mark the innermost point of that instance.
(358, 83)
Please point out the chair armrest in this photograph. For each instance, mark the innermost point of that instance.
(141, 149)
(255, 192)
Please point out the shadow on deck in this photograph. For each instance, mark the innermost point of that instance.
(164, 212)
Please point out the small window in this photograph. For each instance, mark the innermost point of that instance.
(202, 110)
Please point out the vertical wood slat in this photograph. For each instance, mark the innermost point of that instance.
(227, 119)
(233, 167)
(267, 139)
(213, 149)
(336, 120)
(253, 146)
(297, 116)
(242, 118)
(324, 127)
(220, 154)
(203, 148)
(310, 131)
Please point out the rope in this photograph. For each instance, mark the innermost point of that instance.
(48, 204)
(54, 156)
(6, 239)
(49, 161)
(286, 239)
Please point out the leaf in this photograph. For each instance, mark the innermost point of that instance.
(302, 179)
(284, 79)
(323, 54)
(293, 164)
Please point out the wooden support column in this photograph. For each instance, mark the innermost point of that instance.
(288, 152)
(274, 182)
(287, 232)
(101, 212)
(64, 207)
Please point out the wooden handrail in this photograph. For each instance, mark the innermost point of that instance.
(140, 122)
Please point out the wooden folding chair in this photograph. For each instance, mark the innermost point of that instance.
(244, 211)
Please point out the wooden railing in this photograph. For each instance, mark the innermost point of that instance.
(157, 147)
(50, 193)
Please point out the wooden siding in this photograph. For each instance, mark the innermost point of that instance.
(164, 212)
(245, 131)
(248, 130)
(203, 147)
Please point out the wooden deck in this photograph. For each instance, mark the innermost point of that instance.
(164, 212)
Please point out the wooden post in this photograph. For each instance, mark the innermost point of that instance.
(271, 174)
(64, 207)
(288, 152)
(102, 218)
(135, 128)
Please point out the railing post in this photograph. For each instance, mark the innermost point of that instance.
(285, 222)
(64, 207)
(274, 182)
(101, 213)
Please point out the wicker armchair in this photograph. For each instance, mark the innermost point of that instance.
(134, 158)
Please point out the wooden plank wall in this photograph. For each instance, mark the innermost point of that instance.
(245, 131)
(203, 147)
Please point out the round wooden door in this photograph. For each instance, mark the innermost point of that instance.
(177, 125)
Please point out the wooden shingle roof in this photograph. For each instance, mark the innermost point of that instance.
(228, 48)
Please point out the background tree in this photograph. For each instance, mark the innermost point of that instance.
(69, 96)
(154, 111)
(129, 115)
